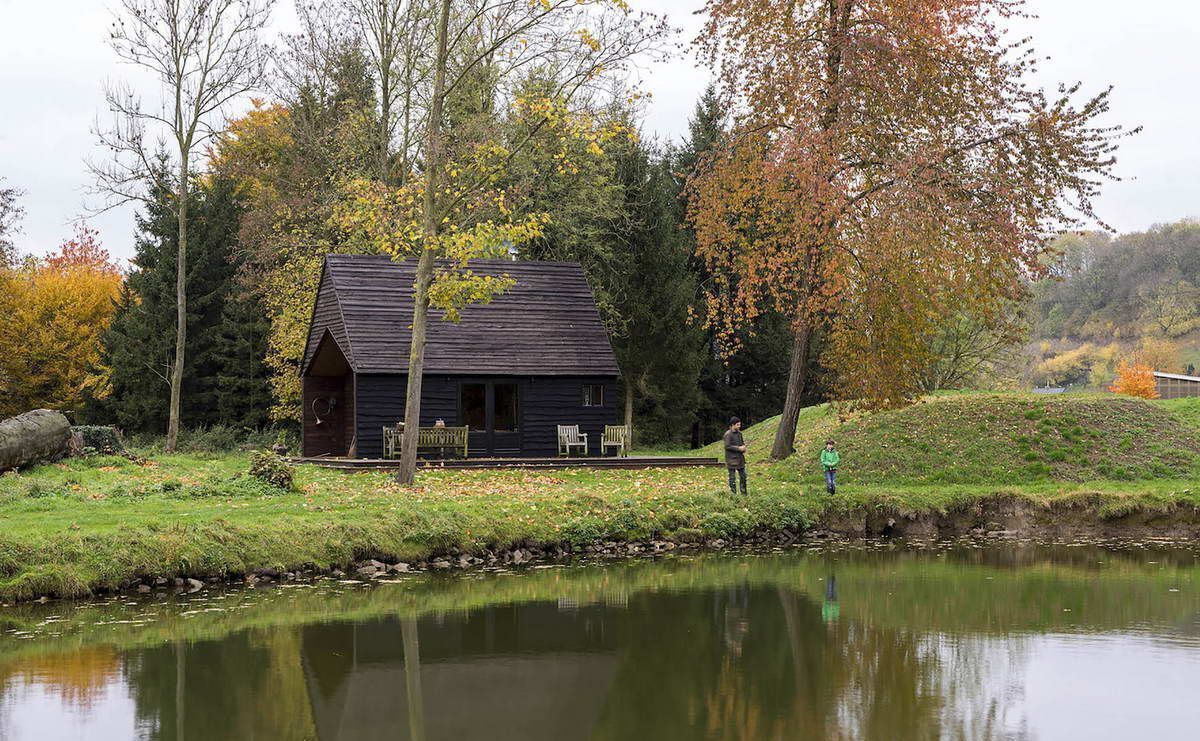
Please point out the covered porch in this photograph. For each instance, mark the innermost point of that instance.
(632, 462)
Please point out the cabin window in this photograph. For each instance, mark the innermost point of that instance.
(593, 395)
(506, 414)
(474, 405)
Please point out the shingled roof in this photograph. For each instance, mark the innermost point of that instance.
(546, 325)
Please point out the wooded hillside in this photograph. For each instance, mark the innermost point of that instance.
(1113, 297)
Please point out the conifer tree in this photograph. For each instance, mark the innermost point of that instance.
(223, 332)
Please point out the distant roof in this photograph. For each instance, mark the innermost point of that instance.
(546, 325)
(1177, 377)
(1049, 390)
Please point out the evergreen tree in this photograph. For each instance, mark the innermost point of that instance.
(659, 350)
(223, 329)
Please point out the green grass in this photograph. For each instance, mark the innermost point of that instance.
(1185, 410)
(71, 527)
(1015, 439)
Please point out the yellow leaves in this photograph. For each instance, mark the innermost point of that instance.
(53, 313)
(588, 39)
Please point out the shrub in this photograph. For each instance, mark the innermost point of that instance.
(270, 468)
(1135, 379)
(99, 439)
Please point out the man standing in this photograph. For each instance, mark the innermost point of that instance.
(830, 460)
(735, 455)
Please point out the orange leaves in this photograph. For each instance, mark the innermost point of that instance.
(1135, 379)
(890, 164)
(52, 315)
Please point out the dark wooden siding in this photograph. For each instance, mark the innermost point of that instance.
(333, 436)
(380, 403)
(546, 402)
(559, 401)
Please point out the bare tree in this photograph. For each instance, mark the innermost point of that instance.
(396, 34)
(10, 215)
(205, 54)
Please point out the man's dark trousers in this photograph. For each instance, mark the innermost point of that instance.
(734, 475)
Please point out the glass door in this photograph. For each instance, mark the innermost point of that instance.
(473, 405)
(492, 412)
(506, 420)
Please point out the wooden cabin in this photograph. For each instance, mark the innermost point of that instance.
(511, 371)
(1176, 385)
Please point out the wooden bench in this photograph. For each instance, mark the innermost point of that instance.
(615, 436)
(428, 438)
(570, 438)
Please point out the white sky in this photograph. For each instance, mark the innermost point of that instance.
(53, 62)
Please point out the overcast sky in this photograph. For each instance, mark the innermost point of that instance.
(53, 62)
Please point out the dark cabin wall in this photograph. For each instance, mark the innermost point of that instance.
(554, 401)
(380, 402)
(546, 402)
(334, 436)
(329, 379)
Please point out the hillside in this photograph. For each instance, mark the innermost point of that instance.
(999, 438)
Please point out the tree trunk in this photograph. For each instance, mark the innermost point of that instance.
(629, 409)
(180, 309)
(33, 437)
(431, 226)
(785, 436)
(416, 369)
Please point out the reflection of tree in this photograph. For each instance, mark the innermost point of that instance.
(412, 679)
(858, 681)
(77, 677)
(248, 685)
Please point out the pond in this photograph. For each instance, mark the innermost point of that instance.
(881, 640)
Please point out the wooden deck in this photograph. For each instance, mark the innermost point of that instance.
(542, 464)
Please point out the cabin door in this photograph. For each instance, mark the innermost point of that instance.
(492, 412)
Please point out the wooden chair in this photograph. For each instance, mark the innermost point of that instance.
(391, 441)
(569, 437)
(615, 436)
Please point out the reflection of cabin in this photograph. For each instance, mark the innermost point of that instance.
(512, 370)
(1176, 386)
(502, 673)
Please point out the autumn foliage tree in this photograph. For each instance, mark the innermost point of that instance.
(1135, 379)
(51, 318)
(888, 164)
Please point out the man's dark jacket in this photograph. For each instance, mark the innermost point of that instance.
(734, 458)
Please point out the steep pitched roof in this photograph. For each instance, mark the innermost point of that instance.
(546, 325)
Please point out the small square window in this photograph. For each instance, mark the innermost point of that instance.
(593, 395)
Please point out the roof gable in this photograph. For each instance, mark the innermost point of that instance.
(546, 325)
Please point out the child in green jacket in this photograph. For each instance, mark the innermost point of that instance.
(830, 460)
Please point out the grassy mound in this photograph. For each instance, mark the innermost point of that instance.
(1009, 438)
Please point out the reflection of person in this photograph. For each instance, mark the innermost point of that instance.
(830, 460)
(829, 608)
(735, 455)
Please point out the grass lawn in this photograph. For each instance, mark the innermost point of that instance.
(70, 527)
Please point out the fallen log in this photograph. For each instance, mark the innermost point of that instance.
(33, 437)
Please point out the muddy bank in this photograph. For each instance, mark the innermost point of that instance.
(1007, 515)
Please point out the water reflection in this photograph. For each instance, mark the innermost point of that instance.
(963, 645)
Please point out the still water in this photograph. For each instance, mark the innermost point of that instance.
(878, 641)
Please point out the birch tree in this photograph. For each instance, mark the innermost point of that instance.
(204, 55)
